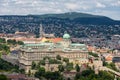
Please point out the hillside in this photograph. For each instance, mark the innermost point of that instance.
(70, 15)
(81, 18)
(76, 24)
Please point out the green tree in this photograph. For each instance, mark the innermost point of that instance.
(11, 42)
(69, 66)
(22, 71)
(42, 62)
(29, 73)
(66, 60)
(93, 54)
(33, 66)
(61, 68)
(38, 65)
(68, 79)
(3, 77)
(111, 66)
(58, 57)
(2, 40)
(4, 66)
(4, 48)
(87, 72)
(20, 42)
(106, 75)
(54, 61)
(90, 75)
(48, 75)
(0, 54)
(77, 67)
(77, 76)
(53, 75)
(40, 73)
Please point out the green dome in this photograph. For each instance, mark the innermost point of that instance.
(66, 36)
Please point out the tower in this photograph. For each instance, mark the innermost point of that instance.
(41, 32)
(66, 40)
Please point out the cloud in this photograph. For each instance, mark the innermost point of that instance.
(24, 7)
(112, 14)
(71, 6)
(116, 3)
(100, 5)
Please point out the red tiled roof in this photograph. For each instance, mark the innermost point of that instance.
(55, 40)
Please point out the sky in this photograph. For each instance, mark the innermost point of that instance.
(110, 8)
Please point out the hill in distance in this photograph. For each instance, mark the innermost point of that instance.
(70, 15)
(75, 17)
(82, 18)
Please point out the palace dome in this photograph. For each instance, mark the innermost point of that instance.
(66, 36)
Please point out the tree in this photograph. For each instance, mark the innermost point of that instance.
(42, 62)
(58, 57)
(93, 54)
(68, 79)
(53, 75)
(40, 73)
(66, 60)
(29, 73)
(3, 77)
(54, 61)
(13, 42)
(111, 66)
(46, 57)
(61, 68)
(0, 54)
(90, 75)
(48, 75)
(4, 66)
(77, 76)
(106, 75)
(22, 71)
(4, 48)
(38, 65)
(20, 42)
(77, 67)
(33, 66)
(2, 40)
(56, 75)
(69, 66)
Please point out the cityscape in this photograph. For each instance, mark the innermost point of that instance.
(59, 40)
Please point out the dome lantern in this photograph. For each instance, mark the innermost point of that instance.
(66, 36)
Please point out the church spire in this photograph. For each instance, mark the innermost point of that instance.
(41, 31)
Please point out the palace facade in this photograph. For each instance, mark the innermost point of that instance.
(77, 53)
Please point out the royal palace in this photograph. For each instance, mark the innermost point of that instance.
(51, 47)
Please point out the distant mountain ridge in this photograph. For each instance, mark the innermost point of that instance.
(82, 18)
(70, 15)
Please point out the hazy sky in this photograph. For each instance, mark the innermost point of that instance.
(110, 8)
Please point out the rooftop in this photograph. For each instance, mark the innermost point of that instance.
(66, 36)
(48, 46)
